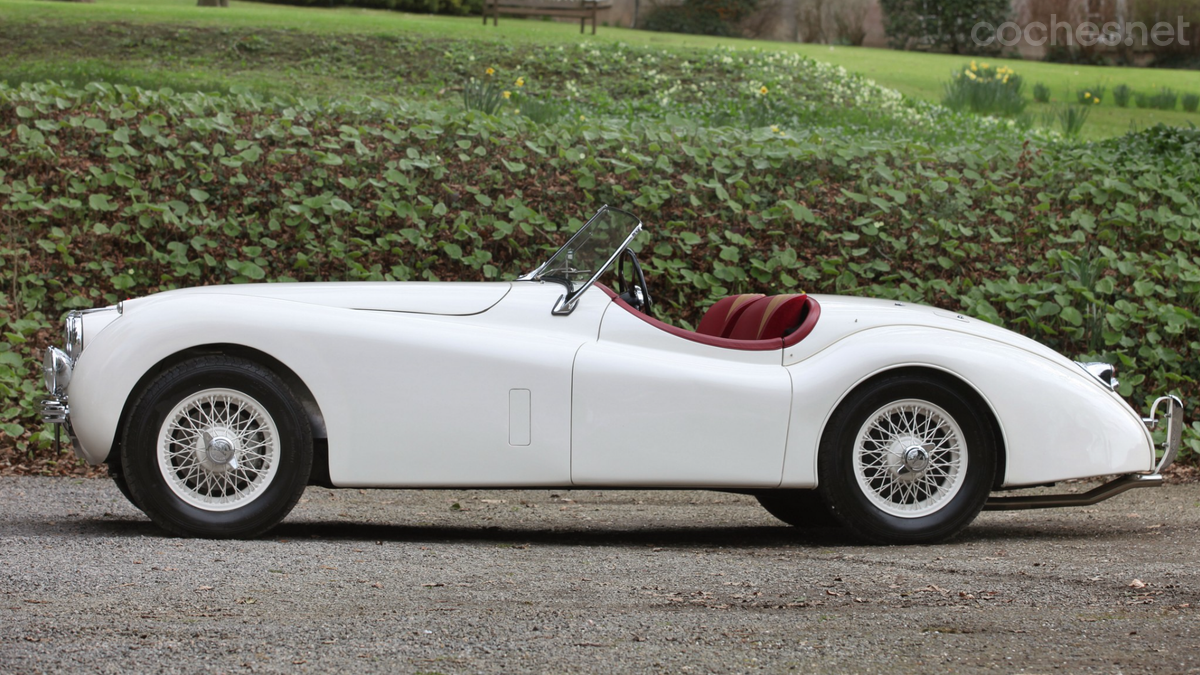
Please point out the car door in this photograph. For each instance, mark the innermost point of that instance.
(652, 408)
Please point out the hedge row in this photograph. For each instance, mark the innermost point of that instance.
(115, 192)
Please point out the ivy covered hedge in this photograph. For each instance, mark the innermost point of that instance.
(113, 192)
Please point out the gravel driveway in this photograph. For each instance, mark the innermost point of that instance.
(582, 581)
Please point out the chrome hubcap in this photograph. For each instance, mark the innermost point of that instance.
(219, 453)
(916, 460)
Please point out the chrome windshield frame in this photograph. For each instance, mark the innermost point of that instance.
(566, 302)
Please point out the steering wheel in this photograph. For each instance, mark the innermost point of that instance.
(635, 293)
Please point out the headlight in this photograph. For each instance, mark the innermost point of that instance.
(56, 367)
(73, 334)
(1105, 373)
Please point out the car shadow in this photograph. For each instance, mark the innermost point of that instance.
(674, 537)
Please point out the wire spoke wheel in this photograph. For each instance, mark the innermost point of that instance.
(217, 446)
(218, 449)
(907, 458)
(910, 458)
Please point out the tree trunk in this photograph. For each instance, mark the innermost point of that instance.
(207, 3)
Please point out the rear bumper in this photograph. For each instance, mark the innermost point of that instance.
(1167, 409)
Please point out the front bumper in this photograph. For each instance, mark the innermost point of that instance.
(1172, 413)
(57, 411)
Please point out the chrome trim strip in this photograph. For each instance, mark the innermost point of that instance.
(1093, 496)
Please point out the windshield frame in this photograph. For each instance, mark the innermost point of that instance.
(566, 303)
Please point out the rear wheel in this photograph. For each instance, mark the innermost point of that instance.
(217, 447)
(907, 459)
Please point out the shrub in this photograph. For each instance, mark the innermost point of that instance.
(985, 90)
(1041, 93)
(1141, 100)
(1165, 99)
(486, 96)
(1091, 95)
(1070, 118)
(942, 25)
(1191, 102)
(700, 17)
(454, 7)
(1121, 95)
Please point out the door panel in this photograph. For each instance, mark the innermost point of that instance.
(653, 409)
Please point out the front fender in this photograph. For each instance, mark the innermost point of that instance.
(112, 363)
(1056, 422)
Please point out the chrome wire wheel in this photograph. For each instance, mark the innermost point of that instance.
(218, 449)
(910, 458)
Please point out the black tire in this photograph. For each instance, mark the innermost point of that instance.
(237, 449)
(906, 488)
(118, 477)
(798, 508)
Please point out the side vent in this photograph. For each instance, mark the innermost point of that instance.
(518, 416)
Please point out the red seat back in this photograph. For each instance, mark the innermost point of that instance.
(719, 320)
(770, 317)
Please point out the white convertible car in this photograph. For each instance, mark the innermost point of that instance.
(214, 407)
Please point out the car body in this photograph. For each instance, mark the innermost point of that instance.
(215, 406)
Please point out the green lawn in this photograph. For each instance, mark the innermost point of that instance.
(912, 73)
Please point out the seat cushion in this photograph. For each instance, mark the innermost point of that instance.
(770, 317)
(719, 320)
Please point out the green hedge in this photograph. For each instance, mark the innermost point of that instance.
(454, 7)
(116, 192)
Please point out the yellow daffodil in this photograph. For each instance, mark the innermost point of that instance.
(490, 71)
(984, 65)
(1095, 101)
(973, 66)
(763, 90)
(507, 94)
(1087, 94)
(582, 118)
(520, 82)
(775, 128)
(971, 75)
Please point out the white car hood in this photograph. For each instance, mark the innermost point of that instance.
(447, 298)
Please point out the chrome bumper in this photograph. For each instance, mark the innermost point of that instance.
(56, 411)
(1173, 414)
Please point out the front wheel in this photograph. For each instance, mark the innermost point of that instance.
(907, 459)
(217, 447)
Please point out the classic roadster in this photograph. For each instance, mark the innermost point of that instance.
(214, 407)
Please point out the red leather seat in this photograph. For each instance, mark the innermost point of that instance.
(770, 317)
(719, 320)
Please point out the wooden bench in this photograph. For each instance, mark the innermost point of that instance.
(584, 9)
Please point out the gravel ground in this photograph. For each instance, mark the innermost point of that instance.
(585, 581)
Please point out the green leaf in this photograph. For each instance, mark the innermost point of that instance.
(198, 194)
(100, 202)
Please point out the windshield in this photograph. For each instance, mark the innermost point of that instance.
(591, 250)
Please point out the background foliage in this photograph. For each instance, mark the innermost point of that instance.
(941, 25)
(700, 17)
(452, 7)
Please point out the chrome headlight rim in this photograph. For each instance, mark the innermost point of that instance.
(56, 369)
(1104, 373)
(73, 334)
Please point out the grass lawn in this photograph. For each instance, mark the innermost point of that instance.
(912, 73)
